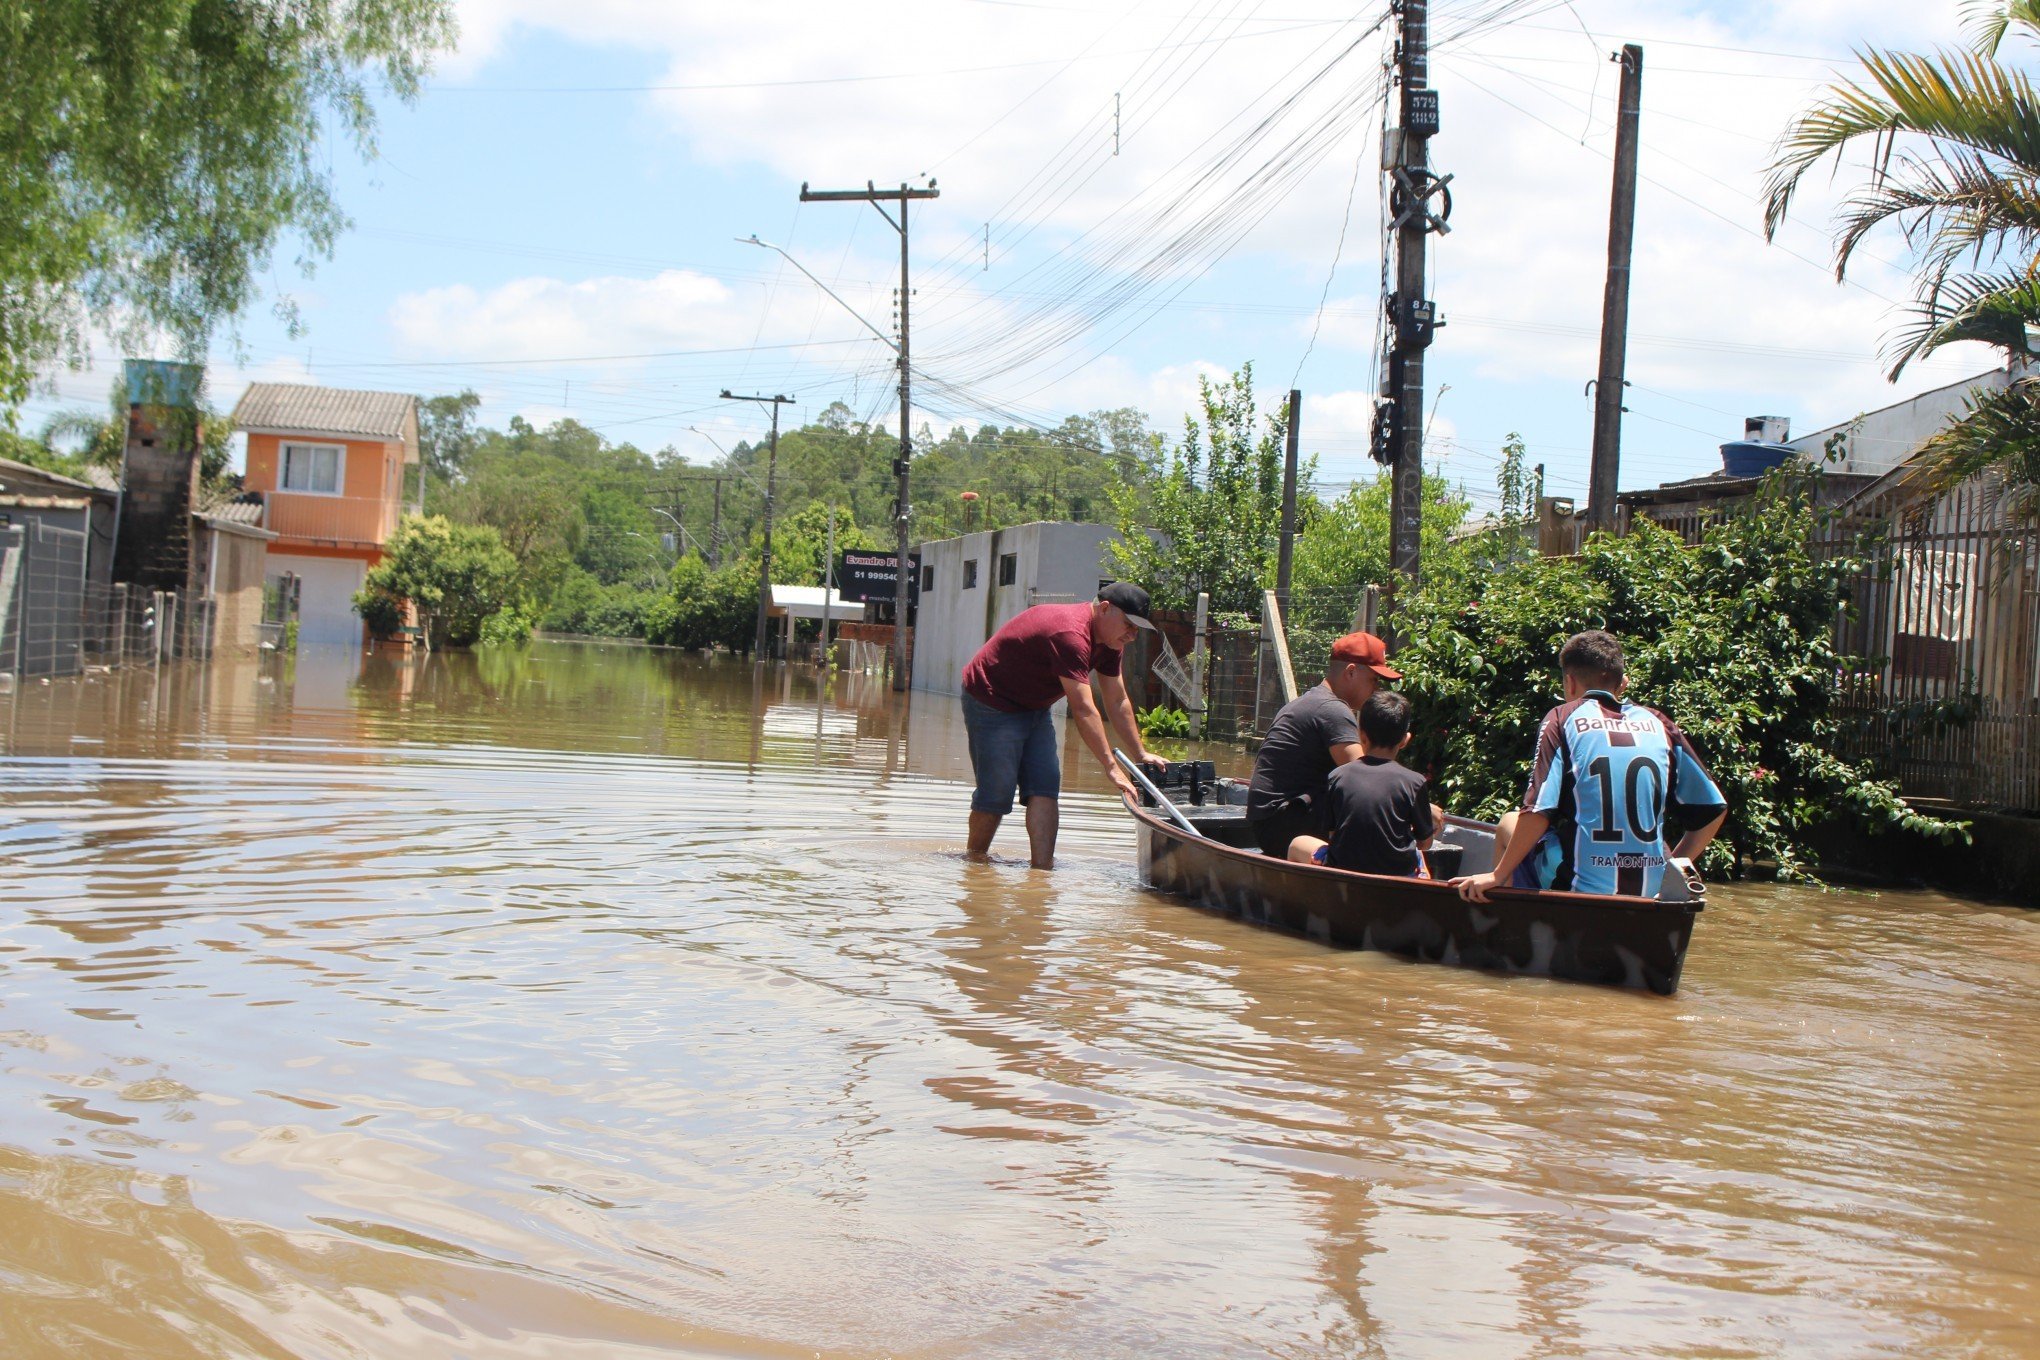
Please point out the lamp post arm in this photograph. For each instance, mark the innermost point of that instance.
(884, 339)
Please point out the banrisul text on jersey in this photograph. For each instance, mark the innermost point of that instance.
(1620, 783)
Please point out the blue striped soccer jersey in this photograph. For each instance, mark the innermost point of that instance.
(1620, 783)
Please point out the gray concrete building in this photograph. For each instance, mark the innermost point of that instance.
(973, 584)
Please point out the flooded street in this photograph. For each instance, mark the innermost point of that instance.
(600, 1002)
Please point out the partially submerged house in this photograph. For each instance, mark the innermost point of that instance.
(329, 464)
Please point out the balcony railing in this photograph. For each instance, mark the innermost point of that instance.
(354, 521)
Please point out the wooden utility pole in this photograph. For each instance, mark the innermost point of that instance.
(1412, 317)
(771, 495)
(1608, 387)
(903, 509)
(1285, 557)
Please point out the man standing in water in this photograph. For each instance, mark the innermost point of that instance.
(1313, 735)
(1042, 655)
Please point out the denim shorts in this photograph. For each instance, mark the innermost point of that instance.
(1009, 750)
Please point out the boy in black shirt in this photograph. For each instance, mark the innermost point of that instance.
(1376, 816)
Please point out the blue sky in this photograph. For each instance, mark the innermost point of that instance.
(554, 222)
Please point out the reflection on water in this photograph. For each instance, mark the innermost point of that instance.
(603, 1002)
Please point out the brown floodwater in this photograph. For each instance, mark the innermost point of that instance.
(598, 1002)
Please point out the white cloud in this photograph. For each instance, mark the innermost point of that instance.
(1718, 318)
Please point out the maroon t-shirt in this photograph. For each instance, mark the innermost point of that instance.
(1022, 667)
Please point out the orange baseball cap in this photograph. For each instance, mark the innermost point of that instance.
(1367, 650)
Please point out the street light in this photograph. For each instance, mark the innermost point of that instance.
(884, 339)
(685, 537)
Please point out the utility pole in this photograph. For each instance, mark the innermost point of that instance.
(902, 506)
(1286, 555)
(1608, 387)
(1412, 318)
(828, 589)
(771, 494)
(715, 530)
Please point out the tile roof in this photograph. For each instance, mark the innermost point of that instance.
(228, 503)
(325, 410)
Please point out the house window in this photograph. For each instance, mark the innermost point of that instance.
(970, 573)
(927, 578)
(310, 468)
(1009, 568)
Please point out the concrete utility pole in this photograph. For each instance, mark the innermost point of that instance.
(715, 529)
(1399, 423)
(1608, 387)
(1285, 557)
(902, 506)
(771, 494)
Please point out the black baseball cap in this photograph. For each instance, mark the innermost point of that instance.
(1130, 600)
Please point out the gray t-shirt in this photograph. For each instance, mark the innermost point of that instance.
(1297, 755)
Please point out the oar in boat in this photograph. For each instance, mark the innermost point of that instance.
(1161, 799)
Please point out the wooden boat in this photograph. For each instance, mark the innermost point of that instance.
(1615, 941)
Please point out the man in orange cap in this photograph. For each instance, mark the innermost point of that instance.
(1313, 734)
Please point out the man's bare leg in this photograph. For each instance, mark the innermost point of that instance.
(983, 826)
(1043, 816)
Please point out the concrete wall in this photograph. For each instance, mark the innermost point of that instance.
(1879, 441)
(1053, 563)
(326, 614)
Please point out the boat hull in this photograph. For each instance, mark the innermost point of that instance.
(1613, 941)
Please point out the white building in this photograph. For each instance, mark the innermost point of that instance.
(1877, 441)
(972, 585)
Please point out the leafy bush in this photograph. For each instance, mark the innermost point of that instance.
(458, 574)
(702, 609)
(1732, 638)
(1163, 721)
(583, 604)
(381, 611)
(507, 627)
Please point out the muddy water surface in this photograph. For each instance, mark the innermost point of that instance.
(599, 1002)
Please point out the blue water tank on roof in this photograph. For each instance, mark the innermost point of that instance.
(1752, 457)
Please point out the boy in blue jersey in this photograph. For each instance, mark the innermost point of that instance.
(1608, 779)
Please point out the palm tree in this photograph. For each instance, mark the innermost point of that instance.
(1954, 147)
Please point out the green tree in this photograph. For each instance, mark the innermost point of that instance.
(457, 574)
(704, 609)
(1953, 143)
(1344, 548)
(1734, 638)
(1217, 503)
(447, 435)
(153, 151)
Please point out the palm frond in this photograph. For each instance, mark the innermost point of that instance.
(1959, 205)
(1994, 309)
(1988, 21)
(1998, 438)
(1959, 102)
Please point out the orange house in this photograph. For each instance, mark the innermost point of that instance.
(330, 466)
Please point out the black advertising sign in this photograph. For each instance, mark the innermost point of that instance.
(874, 576)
